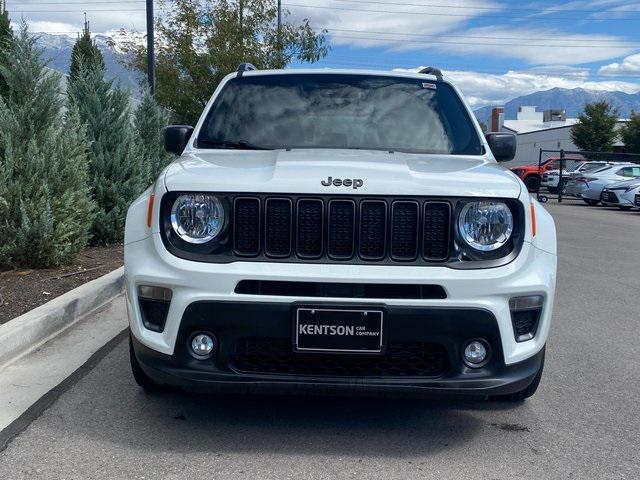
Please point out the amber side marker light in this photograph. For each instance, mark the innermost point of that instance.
(150, 210)
(533, 219)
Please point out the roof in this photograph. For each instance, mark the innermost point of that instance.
(340, 71)
(528, 126)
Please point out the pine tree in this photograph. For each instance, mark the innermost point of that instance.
(45, 209)
(117, 172)
(86, 53)
(6, 37)
(150, 120)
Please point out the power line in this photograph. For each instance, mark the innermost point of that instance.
(404, 4)
(487, 37)
(326, 7)
(439, 14)
(482, 44)
(471, 7)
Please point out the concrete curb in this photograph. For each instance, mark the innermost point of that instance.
(29, 331)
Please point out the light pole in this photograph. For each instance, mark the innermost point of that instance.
(280, 32)
(151, 74)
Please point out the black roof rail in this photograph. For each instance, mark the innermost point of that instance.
(245, 67)
(432, 71)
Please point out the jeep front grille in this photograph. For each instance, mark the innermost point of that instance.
(401, 359)
(342, 229)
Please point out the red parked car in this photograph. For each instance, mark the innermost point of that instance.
(531, 175)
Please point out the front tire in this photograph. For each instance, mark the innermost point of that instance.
(525, 393)
(591, 203)
(142, 379)
(624, 208)
(532, 183)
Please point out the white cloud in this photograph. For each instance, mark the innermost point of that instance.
(483, 89)
(630, 65)
(44, 26)
(349, 22)
(70, 22)
(381, 27)
(531, 45)
(590, 8)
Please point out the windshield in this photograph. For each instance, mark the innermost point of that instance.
(590, 167)
(602, 169)
(340, 111)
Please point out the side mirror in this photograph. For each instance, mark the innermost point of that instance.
(176, 138)
(503, 145)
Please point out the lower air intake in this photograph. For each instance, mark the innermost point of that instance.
(274, 356)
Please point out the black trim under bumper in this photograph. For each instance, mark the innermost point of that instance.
(230, 321)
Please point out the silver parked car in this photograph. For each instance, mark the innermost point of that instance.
(589, 186)
(621, 194)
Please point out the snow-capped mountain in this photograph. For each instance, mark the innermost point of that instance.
(57, 49)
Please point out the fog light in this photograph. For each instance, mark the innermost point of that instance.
(475, 354)
(202, 345)
(530, 302)
(150, 292)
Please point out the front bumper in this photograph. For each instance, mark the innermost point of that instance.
(232, 323)
(616, 198)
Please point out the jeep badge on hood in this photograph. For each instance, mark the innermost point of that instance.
(347, 182)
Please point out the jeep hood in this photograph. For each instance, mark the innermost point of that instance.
(303, 170)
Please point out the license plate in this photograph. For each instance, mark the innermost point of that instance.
(338, 330)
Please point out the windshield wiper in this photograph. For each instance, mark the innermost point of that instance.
(240, 144)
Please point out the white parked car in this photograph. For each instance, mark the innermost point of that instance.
(621, 194)
(339, 230)
(590, 185)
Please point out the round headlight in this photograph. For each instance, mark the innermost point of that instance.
(485, 226)
(197, 217)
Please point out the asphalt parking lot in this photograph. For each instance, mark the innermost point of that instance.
(582, 423)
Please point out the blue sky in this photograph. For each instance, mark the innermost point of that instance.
(494, 49)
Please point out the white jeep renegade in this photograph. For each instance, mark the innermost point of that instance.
(339, 231)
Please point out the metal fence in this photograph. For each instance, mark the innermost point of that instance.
(565, 161)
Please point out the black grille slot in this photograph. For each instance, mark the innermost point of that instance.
(436, 230)
(277, 235)
(309, 228)
(404, 230)
(337, 290)
(341, 229)
(246, 226)
(401, 359)
(373, 229)
(525, 323)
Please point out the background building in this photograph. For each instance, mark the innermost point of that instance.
(548, 130)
